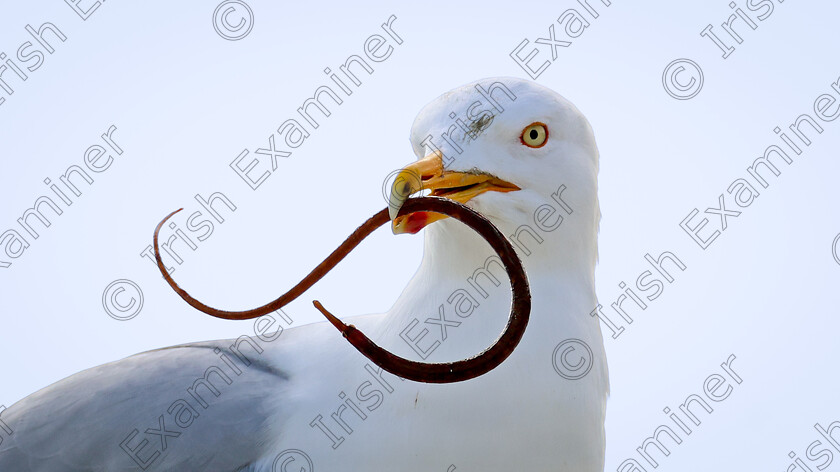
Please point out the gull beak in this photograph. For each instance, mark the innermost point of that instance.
(428, 173)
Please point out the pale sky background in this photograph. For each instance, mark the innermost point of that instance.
(186, 102)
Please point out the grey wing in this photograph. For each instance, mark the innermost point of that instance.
(191, 407)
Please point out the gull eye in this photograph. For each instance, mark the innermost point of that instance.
(534, 135)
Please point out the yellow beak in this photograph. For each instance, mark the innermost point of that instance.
(428, 173)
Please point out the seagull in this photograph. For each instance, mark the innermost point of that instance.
(514, 151)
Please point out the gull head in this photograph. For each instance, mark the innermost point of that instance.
(505, 147)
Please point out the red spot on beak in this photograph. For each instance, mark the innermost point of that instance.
(416, 221)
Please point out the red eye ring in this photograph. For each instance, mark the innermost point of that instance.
(537, 135)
